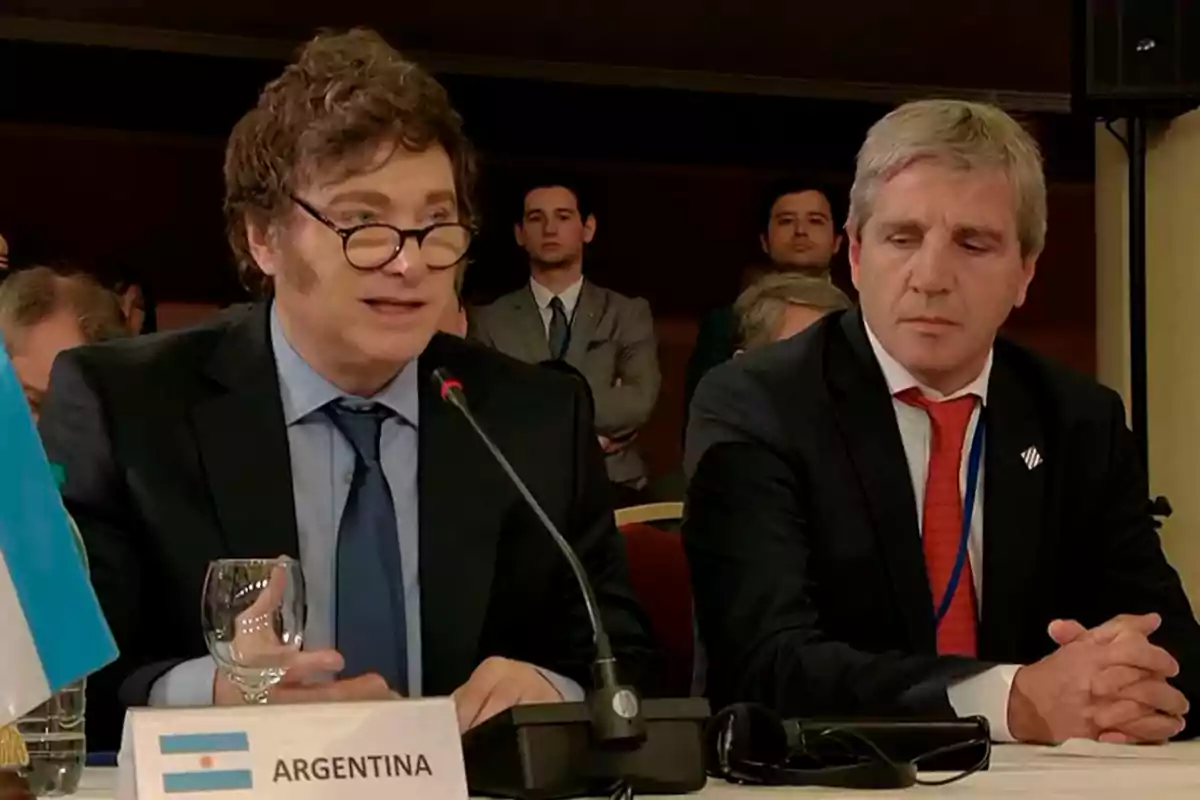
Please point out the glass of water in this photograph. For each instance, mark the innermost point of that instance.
(253, 616)
(53, 734)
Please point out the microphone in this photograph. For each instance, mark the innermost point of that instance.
(614, 739)
(616, 710)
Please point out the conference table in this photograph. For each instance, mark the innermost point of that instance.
(1083, 772)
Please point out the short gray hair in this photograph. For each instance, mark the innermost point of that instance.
(965, 135)
(760, 307)
(30, 296)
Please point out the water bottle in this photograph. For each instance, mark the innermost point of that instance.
(53, 732)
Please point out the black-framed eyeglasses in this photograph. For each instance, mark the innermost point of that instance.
(373, 245)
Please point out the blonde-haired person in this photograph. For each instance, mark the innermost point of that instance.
(780, 305)
(899, 513)
(44, 312)
(311, 425)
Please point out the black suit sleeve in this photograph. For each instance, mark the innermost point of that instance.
(746, 533)
(594, 536)
(1124, 566)
(75, 434)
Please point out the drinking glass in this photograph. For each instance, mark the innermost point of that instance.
(253, 616)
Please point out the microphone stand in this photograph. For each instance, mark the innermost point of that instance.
(614, 740)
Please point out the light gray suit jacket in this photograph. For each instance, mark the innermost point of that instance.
(612, 344)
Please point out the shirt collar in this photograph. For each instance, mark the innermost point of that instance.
(569, 296)
(900, 379)
(303, 390)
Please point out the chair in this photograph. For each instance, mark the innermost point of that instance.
(658, 571)
(670, 513)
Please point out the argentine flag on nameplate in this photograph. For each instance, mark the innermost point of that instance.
(52, 631)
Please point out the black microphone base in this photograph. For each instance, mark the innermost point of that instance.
(542, 752)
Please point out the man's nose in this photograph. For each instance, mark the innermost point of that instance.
(931, 268)
(408, 263)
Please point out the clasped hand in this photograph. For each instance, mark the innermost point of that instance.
(1107, 683)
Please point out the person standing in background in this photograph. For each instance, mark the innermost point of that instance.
(559, 315)
(801, 236)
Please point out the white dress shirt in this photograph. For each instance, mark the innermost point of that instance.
(985, 694)
(542, 296)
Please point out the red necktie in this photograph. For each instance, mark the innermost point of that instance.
(943, 519)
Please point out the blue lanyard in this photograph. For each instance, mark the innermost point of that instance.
(973, 461)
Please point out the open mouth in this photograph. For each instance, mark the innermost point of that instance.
(392, 307)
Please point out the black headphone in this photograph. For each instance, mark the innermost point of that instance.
(750, 744)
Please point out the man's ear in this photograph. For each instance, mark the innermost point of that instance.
(854, 251)
(589, 228)
(519, 234)
(765, 244)
(261, 240)
(1028, 269)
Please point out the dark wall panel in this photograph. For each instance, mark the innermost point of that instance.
(1019, 45)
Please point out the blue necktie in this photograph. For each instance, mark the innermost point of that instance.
(371, 632)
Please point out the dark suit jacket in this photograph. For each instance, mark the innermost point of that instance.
(613, 346)
(176, 453)
(801, 529)
(716, 342)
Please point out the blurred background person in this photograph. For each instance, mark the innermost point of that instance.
(43, 312)
(779, 306)
(801, 235)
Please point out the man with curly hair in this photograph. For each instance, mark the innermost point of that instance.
(308, 425)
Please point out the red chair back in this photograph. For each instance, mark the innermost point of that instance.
(659, 573)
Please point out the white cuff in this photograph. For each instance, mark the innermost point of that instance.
(986, 695)
(568, 690)
(187, 684)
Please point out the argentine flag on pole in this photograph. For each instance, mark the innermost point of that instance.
(52, 631)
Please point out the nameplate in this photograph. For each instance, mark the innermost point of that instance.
(368, 751)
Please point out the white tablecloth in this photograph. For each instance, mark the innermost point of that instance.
(1031, 773)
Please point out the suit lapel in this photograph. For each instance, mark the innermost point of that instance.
(528, 326)
(243, 444)
(588, 312)
(1014, 493)
(867, 421)
(456, 484)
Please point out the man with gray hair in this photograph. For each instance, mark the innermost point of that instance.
(897, 513)
(780, 305)
(43, 312)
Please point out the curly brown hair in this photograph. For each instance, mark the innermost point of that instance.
(346, 94)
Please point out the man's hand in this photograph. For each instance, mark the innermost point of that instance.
(308, 680)
(497, 685)
(1141, 705)
(1108, 684)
